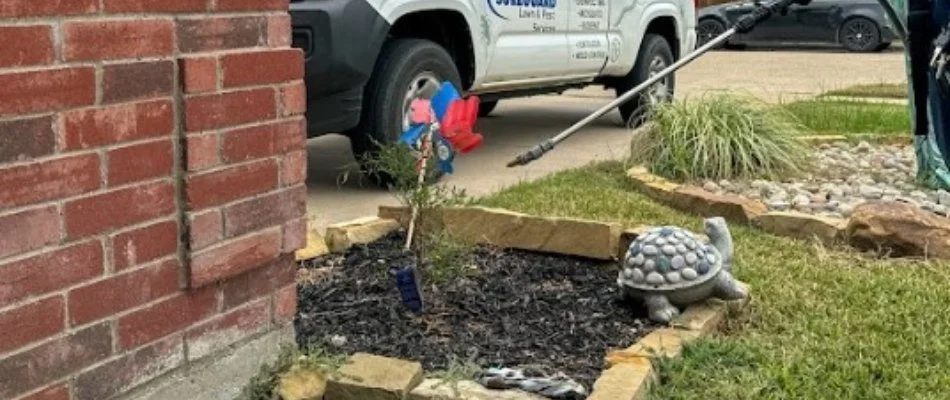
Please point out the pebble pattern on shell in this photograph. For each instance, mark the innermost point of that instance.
(845, 175)
(667, 255)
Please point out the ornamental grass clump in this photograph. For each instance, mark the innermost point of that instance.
(722, 136)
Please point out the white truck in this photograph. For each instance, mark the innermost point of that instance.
(367, 59)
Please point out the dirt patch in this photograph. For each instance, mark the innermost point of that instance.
(510, 308)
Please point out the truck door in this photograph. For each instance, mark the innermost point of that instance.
(529, 39)
(587, 36)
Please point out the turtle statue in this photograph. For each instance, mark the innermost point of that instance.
(669, 267)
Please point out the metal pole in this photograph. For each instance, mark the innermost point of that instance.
(745, 24)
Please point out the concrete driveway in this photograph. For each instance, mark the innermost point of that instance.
(517, 125)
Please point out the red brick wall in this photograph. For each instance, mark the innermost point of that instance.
(151, 187)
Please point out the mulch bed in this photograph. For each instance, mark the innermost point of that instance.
(521, 308)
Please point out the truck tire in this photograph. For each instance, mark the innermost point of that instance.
(404, 65)
(654, 56)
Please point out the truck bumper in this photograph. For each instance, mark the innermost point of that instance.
(340, 40)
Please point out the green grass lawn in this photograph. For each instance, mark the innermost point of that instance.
(851, 117)
(880, 90)
(823, 324)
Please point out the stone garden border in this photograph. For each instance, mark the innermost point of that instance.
(828, 231)
(628, 372)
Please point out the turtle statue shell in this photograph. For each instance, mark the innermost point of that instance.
(669, 257)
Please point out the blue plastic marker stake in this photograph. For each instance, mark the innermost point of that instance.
(408, 284)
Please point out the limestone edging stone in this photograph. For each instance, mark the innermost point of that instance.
(510, 229)
(342, 236)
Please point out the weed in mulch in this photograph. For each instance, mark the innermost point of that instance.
(499, 308)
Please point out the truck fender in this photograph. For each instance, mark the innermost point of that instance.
(631, 31)
(478, 24)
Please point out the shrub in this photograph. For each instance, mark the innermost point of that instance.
(720, 137)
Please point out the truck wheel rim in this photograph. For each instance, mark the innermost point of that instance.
(658, 92)
(416, 90)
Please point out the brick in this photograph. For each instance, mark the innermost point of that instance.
(279, 31)
(140, 162)
(263, 212)
(33, 8)
(214, 111)
(39, 275)
(207, 228)
(293, 168)
(136, 81)
(261, 67)
(26, 45)
(164, 318)
(293, 99)
(227, 329)
(49, 180)
(122, 292)
(97, 127)
(202, 151)
(234, 257)
(261, 141)
(251, 5)
(285, 305)
(367, 376)
(199, 74)
(117, 39)
(47, 90)
(31, 323)
(26, 138)
(29, 230)
(145, 244)
(248, 143)
(55, 392)
(118, 208)
(291, 136)
(222, 186)
(53, 361)
(131, 370)
(259, 282)
(220, 33)
(154, 6)
(295, 235)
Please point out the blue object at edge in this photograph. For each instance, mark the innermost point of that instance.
(408, 286)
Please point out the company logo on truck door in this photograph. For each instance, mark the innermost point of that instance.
(518, 3)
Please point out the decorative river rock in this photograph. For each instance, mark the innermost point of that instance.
(669, 267)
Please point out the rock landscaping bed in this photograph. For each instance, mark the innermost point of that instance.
(845, 175)
(503, 308)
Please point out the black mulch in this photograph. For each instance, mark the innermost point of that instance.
(522, 308)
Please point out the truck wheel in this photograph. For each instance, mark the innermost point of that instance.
(402, 71)
(655, 55)
(486, 107)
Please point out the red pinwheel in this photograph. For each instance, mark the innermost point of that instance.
(458, 124)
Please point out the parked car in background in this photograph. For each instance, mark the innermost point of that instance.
(856, 25)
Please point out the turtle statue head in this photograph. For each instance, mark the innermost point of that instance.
(718, 232)
(668, 267)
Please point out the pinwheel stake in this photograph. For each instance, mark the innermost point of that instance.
(440, 126)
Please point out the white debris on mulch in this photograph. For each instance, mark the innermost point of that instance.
(845, 175)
